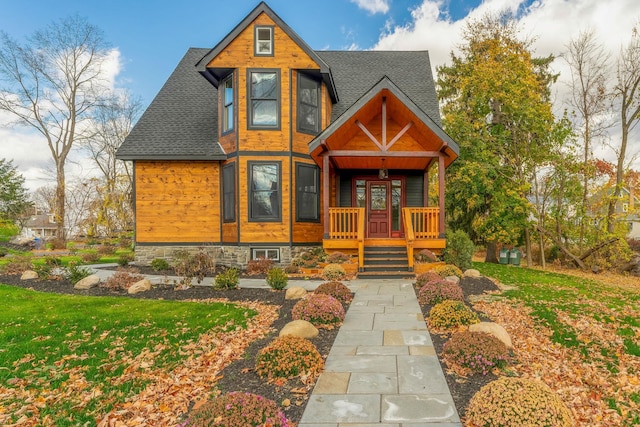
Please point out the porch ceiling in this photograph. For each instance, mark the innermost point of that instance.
(383, 128)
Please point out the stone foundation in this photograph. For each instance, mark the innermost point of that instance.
(230, 256)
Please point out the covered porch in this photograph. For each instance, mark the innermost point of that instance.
(383, 166)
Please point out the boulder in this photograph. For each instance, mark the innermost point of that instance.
(29, 275)
(88, 282)
(299, 328)
(141, 286)
(453, 279)
(471, 273)
(493, 329)
(295, 292)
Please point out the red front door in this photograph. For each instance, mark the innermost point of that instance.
(378, 209)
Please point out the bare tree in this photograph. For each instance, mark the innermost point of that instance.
(627, 95)
(51, 84)
(588, 61)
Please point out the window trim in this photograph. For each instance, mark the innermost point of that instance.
(266, 251)
(225, 199)
(226, 105)
(256, 50)
(250, 214)
(301, 77)
(299, 192)
(250, 99)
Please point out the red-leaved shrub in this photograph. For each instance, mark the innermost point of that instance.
(323, 311)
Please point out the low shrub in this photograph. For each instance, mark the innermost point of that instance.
(291, 269)
(425, 255)
(159, 264)
(259, 266)
(439, 290)
(3, 251)
(426, 277)
(18, 264)
(228, 279)
(198, 265)
(74, 272)
(334, 272)
(337, 290)
(277, 279)
(238, 409)
(459, 250)
(43, 270)
(90, 257)
(337, 257)
(515, 402)
(57, 244)
(53, 261)
(449, 314)
(447, 270)
(124, 260)
(323, 311)
(106, 249)
(475, 353)
(122, 279)
(289, 357)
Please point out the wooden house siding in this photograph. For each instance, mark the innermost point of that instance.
(177, 201)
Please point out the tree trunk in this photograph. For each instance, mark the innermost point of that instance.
(491, 253)
(527, 239)
(60, 201)
(543, 260)
(558, 243)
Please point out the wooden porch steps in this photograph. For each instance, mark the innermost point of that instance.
(385, 262)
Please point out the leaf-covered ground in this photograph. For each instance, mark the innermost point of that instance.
(579, 333)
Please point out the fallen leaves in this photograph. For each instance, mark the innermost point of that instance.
(597, 380)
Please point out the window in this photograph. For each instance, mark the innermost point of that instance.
(264, 41)
(308, 105)
(307, 193)
(229, 192)
(264, 99)
(264, 191)
(266, 253)
(227, 104)
(625, 207)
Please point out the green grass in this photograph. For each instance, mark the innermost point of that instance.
(50, 343)
(551, 296)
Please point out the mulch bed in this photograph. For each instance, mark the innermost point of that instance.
(239, 375)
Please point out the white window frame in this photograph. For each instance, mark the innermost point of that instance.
(266, 253)
(263, 47)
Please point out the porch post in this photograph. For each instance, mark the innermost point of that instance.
(441, 194)
(325, 194)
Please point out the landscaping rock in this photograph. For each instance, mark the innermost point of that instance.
(29, 275)
(295, 292)
(88, 282)
(453, 279)
(299, 328)
(471, 273)
(493, 329)
(141, 286)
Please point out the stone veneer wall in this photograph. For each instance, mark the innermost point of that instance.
(230, 256)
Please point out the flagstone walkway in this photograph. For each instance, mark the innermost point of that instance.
(382, 369)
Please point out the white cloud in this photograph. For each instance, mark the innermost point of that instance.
(29, 150)
(551, 23)
(373, 6)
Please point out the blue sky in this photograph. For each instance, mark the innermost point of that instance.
(150, 37)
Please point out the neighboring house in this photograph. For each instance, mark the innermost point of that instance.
(263, 147)
(626, 209)
(41, 225)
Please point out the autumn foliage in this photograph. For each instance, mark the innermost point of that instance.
(323, 311)
(289, 357)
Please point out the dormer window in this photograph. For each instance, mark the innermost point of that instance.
(264, 41)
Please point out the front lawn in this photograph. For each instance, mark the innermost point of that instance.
(68, 360)
(578, 333)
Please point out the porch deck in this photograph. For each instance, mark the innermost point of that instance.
(421, 231)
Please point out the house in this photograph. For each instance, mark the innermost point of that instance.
(40, 225)
(262, 147)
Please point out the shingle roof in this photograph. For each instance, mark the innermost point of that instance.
(355, 72)
(181, 122)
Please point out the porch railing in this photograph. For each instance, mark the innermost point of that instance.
(348, 224)
(419, 224)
